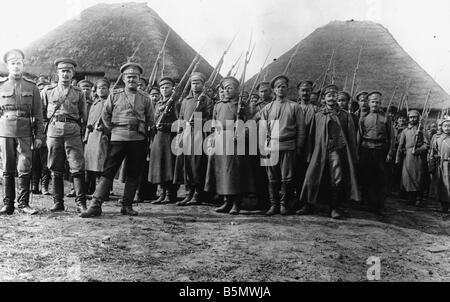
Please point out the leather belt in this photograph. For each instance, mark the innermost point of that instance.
(64, 119)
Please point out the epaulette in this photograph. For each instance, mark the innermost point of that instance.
(142, 92)
(3, 79)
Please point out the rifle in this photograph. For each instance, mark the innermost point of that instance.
(402, 98)
(241, 94)
(345, 83)
(152, 77)
(177, 93)
(325, 76)
(259, 73)
(234, 65)
(392, 98)
(211, 80)
(419, 128)
(356, 70)
(288, 65)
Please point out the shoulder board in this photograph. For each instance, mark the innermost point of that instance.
(142, 92)
(3, 79)
(29, 80)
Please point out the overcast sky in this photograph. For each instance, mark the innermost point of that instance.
(422, 28)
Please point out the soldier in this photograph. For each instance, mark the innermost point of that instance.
(400, 125)
(440, 152)
(142, 84)
(361, 98)
(265, 97)
(65, 114)
(40, 171)
(127, 113)
(343, 100)
(332, 158)
(289, 135)
(376, 142)
(96, 137)
(190, 165)
(262, 182)
(162, 160)
(227, 171)
(155, 95)
(433, 168)
(86, 86)
(314, 96)
(413, 151)
(20, 102)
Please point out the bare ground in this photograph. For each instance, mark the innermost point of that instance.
(169, 243)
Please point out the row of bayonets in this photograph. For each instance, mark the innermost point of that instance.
(329, 72)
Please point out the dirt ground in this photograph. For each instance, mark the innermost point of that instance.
(169, 243)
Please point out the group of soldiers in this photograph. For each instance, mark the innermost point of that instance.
(311, 150)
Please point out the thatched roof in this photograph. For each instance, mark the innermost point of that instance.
(384, 64)
(104, 37)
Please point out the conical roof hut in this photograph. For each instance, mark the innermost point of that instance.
(105, 36)
(384, 64)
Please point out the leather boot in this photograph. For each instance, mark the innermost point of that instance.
(45, 182)
(35, 187)
(171, 196)
(23, 199)
(128, 196)
(189, 195)
(274, 196)
(196, 200)
(80, 193)
(162, 196)
(286, 195)
(102, 190)
(58, 193)
(235, 210)
(227, 204)
(10, 195)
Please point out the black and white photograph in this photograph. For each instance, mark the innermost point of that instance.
(243, 143)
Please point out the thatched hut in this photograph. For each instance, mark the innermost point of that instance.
(384, 63)
(105, 36)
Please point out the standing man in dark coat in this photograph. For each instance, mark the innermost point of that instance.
(96, 137)
(65, 114)
(332, 161)
(413, 151)
(128, 113)
(228, 169)
(162, 159)
(376, 141)
(20, 102)
(190, 164)
(285, 123)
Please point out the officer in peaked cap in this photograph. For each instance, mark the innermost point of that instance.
(127, 113)
(66, 113)
(20, 102)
